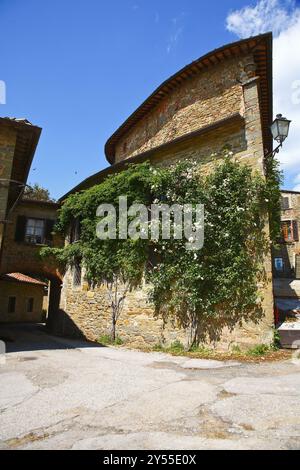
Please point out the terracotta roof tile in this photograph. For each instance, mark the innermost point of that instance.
(19, 277)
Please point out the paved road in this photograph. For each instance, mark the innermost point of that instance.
(57, 394)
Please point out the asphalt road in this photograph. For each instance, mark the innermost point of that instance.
(59, 394)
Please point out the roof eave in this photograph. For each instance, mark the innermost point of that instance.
(186, 72)
(234, 119)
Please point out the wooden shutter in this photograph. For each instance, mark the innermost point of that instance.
(20, 228)
(295, 231)
(285, 231)
(49, 224)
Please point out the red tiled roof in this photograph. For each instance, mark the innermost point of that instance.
(19, 277)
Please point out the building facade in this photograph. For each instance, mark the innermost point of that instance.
(29, 229)
(18, 141)
(221, 101)
(25, 226)
(22, 299)
(286, 256)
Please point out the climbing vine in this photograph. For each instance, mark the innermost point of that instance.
(202, 290)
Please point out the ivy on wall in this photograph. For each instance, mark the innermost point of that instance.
(203, 290)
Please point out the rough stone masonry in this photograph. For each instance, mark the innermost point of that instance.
(220, 103)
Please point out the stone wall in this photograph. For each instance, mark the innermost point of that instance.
(86, 312)
(22, 292)
(200, 101)
(7, 148)
(209, 96)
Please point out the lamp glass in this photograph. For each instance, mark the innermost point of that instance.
(280, 128)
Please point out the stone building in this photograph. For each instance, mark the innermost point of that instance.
(29, 228)
(222, 100)
(25, 226)
(286, 257)
(21, 299)
(18, 141)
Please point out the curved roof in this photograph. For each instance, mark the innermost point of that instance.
(260, 45)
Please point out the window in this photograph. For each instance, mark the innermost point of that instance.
(11, 305)
(29, 305)
(289, 230)
(75, 230)
(279, 265)
(285, 203)
(35, 231)
(77, 274)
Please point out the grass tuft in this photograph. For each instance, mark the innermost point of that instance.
(259, 350)
(107, 341)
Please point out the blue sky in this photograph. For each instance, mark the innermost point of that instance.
(79, 68)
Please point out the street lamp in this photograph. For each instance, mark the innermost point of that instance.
(280, 129)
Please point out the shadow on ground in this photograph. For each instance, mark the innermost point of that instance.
(33, 337)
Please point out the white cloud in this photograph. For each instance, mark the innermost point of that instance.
(177, 30)
(283, 17)
(266, 15)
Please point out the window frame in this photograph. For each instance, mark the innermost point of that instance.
(9, 310)
(27, 236)
(293, 230)
(275, 267)
(28, 300)
(77, 274)
(282, 204)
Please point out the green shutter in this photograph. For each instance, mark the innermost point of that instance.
(49, 224)
(20, 228)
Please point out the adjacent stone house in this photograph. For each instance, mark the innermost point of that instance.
(286, 257)
(222, 100)
(30, 227)
(25, 226)
(21, 299)
(18, 142)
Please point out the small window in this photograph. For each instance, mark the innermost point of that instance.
(285, 203)
(11, 305)
(286, 229)
(35, 231)
(289, 230)
(75, 230)
(77, 274)
(279, 265)
(30, 304)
